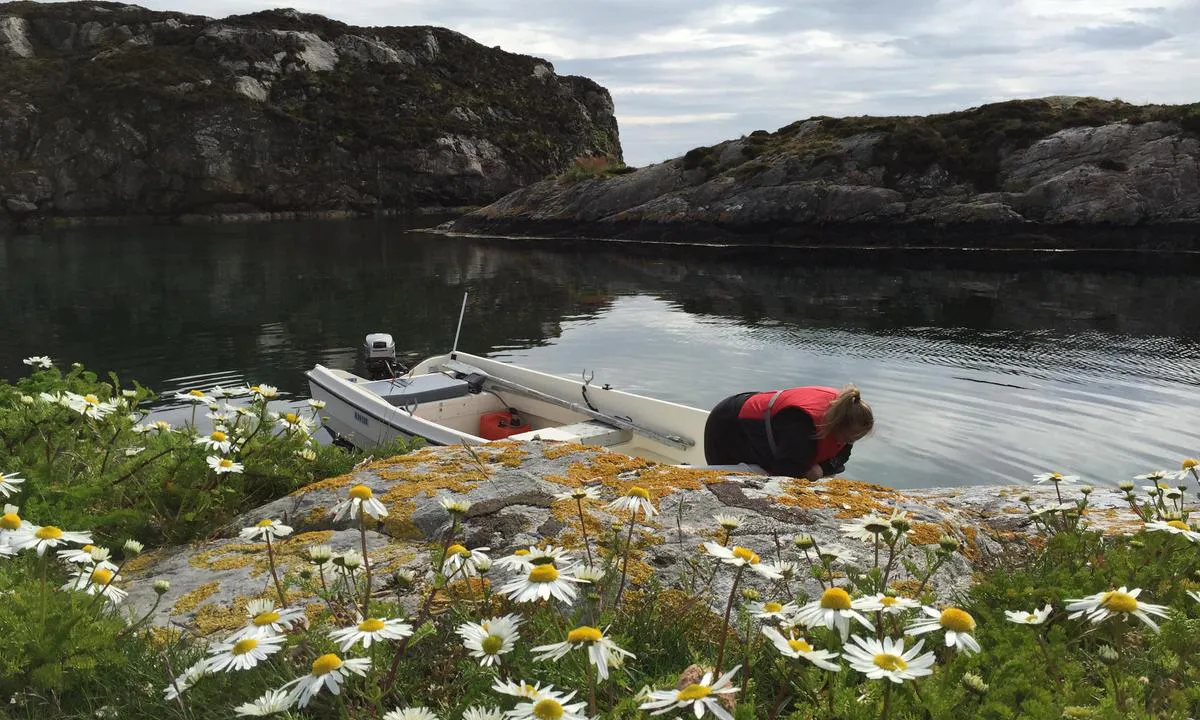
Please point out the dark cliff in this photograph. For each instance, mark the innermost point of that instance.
(111, 110)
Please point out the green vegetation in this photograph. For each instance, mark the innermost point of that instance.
(589, 168)
(1069, 624)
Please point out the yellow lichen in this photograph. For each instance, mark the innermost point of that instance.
(850, 498)
(924, 533)
(906, 588)
(562, 449)
(188, 601)
(288, 553)
(141, 562)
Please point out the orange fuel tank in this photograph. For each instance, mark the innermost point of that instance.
(501, 424)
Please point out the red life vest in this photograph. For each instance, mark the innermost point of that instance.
(812, 400)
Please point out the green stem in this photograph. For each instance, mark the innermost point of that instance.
(583, 530)
(625, 564)
(887, 701)
(725, 625)
(275, 574)
(362, 530)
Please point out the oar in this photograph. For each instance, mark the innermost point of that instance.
(672, 439)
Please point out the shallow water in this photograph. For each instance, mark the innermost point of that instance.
(975, 376)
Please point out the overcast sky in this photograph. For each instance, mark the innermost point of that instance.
(685, 73)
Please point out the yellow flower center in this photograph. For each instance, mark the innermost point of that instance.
(225, 462)
(492, 644)
(1031, 618)
(360, 492)
(265, 523)
(291, 417)
(799, 646)
(638, 492)
(100, 576)
(747, 555)
(957, 620)
(241, 647)
(1178, 525)
(772, 607)
(547, 709)
(693, 692)
(91, 399)
(890, 662)
(1189, 464)
(88, 548)
(584, 635)
(49, 532)
(195, 393)
(456, 549)
(520, 553)
(266, 618)
(835, 599)
(326, 664)
(1117, 601)
(543, 574)
(10, 521)
(888, 601)
(218, 436)
(370, 625)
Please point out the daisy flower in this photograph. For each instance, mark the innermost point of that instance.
(1034, 617)
(799, 648)
(359, 498)
(292, 422)
(524, 559)
(488, 639)
(194, 396)
(588, 574)
(369, 631)
(328, 671)
(867, 528)
(541, 582)
(98, 581)
(217, 441)
(1054, 477)
(636, 498)
(243, 654)
(41, 362)
(42, 537)
(700, 697)
(1123, 601)
(410, 713)
(549, 705)
(455, 506)
(773, 610)
(9, 483)
(10, 522)
(134, 451)
(475, 712)
(263, 619)
(187, 679)
(888, 604)
(1194, 594)
(728, 523)
(520, 689)
(1155, 476)
(601, 649)
(887, 659)
(958, 624)
(833, 552)
(221, 465)
(586, 492)
(741, 557)
(1186, 469)
(274, 701)
(834, 609)
(264, 529)
(84, 555)
(90, 406)
(265, 392)
(316, 404)
(1175, 527)
(460, 559)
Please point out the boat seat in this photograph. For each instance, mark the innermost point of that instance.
(588, 432)
(406, 392)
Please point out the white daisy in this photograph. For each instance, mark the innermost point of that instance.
(187, 679)
(636, 498)
(799, 648)
(460, 560)
(134, 451)
(601, 649)
(833, 609)
(90, 406)
(772, 610)
(728, 522)
(83, 555)
(274, 701)
(741, 557)
(369, 631)
(359, 497)
(455, 506)
(264, 529)
(9, 483)
(161, 426)
(291, 422)
(475, 712)
(316, 404)
(10, 522)
(1175, 527)
(410, 713)
(867, 528)
(887, 659)
(217, 441)
(888, 604)
(42, 537)
(265, 392)
(700, 697)
(243, 654)
(221, 465)
(1187, 469)
(524, 559)
(1155, 476)
(263, 619)
(1033, 617)
(194, 396)
(541, 582)
(40, 362)
(588, 574)
(1123, 601)
(488, 639)
(549, 706)
(1194, 594)
(328, 671)
(520, 689)
(1054, 477)
(585, 492)
(98, 581)
(958, 624)
(833, 552)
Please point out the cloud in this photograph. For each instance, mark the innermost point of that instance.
(686, 73)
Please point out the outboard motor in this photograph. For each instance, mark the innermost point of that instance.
(379, 352)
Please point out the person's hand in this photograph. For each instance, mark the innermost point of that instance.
(815, 473)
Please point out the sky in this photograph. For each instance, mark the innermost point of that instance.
(686, 73)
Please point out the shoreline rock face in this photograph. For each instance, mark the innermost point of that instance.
(512, 491)
(111, 111)
(1054, 173)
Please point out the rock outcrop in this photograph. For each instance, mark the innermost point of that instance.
(1058, 172)
(111, 110)
(512, 489)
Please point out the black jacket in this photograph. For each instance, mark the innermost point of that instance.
(729, 440)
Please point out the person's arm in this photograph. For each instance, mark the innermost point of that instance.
(796, 442)
(837, 463)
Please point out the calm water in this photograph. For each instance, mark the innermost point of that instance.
(975, 376)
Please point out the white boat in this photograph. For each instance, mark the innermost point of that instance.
(461, 398)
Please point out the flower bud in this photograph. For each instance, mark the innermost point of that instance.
(750, 594)
(405, 578)
(1086, 489)
(948, 543)
(804, 542)
(1108, 655)
(162, 586)
(901, 525)
(1125, 485)
(1025, 499)
(133, 548)
(974, 684)
(27, 399)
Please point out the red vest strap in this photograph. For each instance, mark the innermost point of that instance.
(813, 400)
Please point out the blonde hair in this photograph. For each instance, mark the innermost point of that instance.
(848, 416)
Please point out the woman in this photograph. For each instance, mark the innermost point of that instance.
(802, 432)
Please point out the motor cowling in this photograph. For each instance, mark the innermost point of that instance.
(379, 353)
